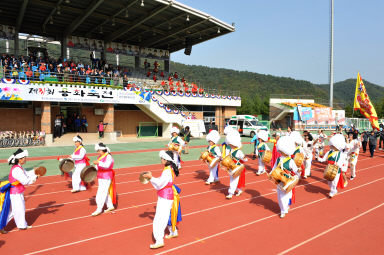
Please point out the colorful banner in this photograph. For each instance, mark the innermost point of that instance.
(34, 92)
(363, 104)
(323, 115)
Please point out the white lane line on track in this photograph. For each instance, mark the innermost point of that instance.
(136, 206)
(329, 230)
(201, 239)
(117, 174)
(67, 190)
(119, 194)
(190, 195)
(262, 219)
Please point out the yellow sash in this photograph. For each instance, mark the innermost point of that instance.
(78, 148)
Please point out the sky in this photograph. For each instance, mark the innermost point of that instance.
(291, 38)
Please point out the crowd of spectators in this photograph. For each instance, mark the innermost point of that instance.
(96, 71)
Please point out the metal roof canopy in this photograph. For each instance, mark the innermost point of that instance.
(161, 24)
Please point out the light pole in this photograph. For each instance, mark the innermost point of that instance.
(331, 58)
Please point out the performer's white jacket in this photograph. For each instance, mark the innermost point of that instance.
(282, 197)
(163, 206)
(342, 163)
(17, 210)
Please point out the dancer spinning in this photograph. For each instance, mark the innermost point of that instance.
(176, 139)
(261, 148)
(286, 147)
(165, 197)
(12, 192)
(106, 192)
(233, 139)
(213, 138)
(335, 156)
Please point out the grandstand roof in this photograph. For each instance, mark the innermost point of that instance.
(162, 24)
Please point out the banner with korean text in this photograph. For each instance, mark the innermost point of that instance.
(69, 94)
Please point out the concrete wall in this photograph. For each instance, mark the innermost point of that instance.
(128, 121)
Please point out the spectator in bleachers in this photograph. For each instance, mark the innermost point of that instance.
(176, 75)
(154, 78)
(162, 74)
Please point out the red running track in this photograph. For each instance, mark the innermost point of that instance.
(211, 224)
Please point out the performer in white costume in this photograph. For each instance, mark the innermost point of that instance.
(176, 139)
(336, 156)
(286, 147)
(261, 148)
(106, 191)
(18, 178)
(213, 138)
(353, 148)
(81, 161)
(165, 196)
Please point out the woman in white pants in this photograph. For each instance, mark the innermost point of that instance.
(176, 139)
(286, 147)
(353, 148)
(18, 178)
(337, 157)
(165, 196)
(81, 160)
(106, 192)
(213, 138)
(308, 149)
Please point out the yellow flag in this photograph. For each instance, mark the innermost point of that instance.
(363, 103)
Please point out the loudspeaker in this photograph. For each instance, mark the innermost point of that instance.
(188, 46)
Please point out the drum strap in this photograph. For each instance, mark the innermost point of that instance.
(78, 148)
(102, 156)
(285, 160)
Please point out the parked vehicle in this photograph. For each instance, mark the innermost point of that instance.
(247, 125)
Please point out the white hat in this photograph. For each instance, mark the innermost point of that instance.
(101, 146)
(213, 136)
(164, 155)
(338, 141)
(298, 139)
(77, 139)
(263, 135)
(227, 129)
(278, 134)
(286, 145)
(17, 155)
(233, 138)
(175, 130)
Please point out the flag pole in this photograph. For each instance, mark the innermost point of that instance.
(331, 56)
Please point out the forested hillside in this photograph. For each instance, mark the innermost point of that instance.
(256, 88)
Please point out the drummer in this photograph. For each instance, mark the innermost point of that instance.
(213, 138)
(336, 156)
(261, 148)
(106, 192)
(286, 147)
(165, 197)
(81, 161)
(176, 139)
(14, 206)
(299, 141)
(225, 147)
(233, 139)
(308, 150)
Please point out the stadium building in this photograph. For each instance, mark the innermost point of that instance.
(107, 60)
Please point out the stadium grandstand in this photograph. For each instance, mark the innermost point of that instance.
(108, 61)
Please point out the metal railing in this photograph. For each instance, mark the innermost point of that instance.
(114, 81)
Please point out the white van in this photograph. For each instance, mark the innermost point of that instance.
(247, 125)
